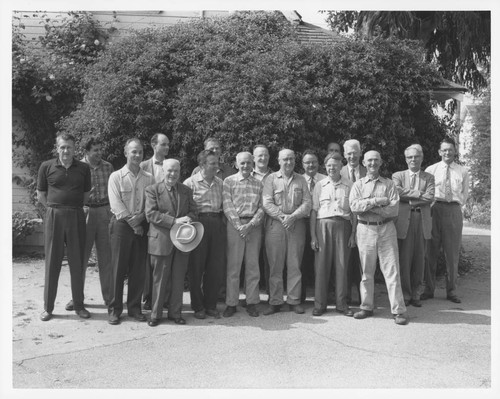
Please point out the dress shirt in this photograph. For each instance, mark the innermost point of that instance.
(208, 196)
(158, 170)
(127, 192)
(332, 198)
(64, 186)
(261, 176)
(100, 176)
(286, 197)
(317, 178)
(459, 177)
(362, 199)
(356, 171)
(242, 197)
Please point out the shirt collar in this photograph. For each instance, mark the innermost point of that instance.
(125, 171)
(86, 160)
(58, 162)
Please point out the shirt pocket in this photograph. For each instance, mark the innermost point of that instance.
(297, 196)
(278, 197)
(126, 191)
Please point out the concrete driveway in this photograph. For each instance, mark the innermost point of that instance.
(446, 345)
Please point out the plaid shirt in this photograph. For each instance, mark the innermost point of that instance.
(208, 197)
(242, 198)
(100, 177)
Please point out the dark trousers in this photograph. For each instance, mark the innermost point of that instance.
(128, 258)
(206, 264)
(353, 274)
(307, 265)
(168, 283)
(64, 227)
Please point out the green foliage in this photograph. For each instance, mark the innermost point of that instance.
(47, 78)
(23, 225)
(245, 79)
(457, 42)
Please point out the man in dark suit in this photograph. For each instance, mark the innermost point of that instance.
(414, 223)
(154, 165)
(167, 203)
(353, 171)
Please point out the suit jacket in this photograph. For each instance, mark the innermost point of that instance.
(161, 215)
(148, 165)
(414, 198)
(344, 172)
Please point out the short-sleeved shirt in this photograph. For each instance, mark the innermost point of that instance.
(100, 177)
(208, 196)
(459, 181)
(64, 187)
(242, 197)
(331, 198)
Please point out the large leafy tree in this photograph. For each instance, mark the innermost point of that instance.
(458, 42)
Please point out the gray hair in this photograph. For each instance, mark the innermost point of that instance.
(416, 147)
(353, 143)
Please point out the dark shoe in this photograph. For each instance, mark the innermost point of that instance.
(69, 306)
(318, 312)
(113, 320)
(165, 306)
(401, 319)
(83, 313)
(272, 309)
(212, 313)
(363, 314)
(407, 302)
(243, 303)
(177, 320)
(153, 322)
(45, 316)
(416, 303)
(252, 311)
(147, 306)
(200, 314)
(346, 312)
(426, 296)
(454, 298)
(299, 309)
(229, 311)
(138, 316)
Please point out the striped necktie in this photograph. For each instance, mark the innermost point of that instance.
(448, 195)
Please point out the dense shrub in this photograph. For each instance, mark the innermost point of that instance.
(23, 225)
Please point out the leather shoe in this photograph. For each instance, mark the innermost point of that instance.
(165, 306)
(407, 302)
(416, 303)
(212, 313)
(69, 306)
(153, 322)
(363, 314)
(299, 309)
(252, 311)
(200, 314)
(272, 309)
(346, 312)
(113, 320)
(426, 296)
(177, 320)
(83, 313)
(318, 312)
(454, 298)
(229, 311)
(401, 319)
(146, 306)
(138, 316)
(45, 316)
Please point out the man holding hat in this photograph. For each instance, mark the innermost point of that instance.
(243, 208)
(169, 205)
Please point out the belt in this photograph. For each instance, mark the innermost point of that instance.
(448, 203)
(415, 209)
(65, 207)
(374, 223)
(98, 205)
(246, 217)
(210, 214)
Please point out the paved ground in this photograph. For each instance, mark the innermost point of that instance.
(445, 346)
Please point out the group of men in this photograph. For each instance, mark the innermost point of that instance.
(251, 218)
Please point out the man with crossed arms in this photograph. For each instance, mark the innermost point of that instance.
(414, 223)
(242, 202)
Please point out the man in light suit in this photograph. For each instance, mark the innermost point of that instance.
(414, 223)
(167, 203)
(154, 165)
(353, 171)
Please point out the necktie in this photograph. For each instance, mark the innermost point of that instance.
(412, 182)
(173, 195)
(353, 175)
(448, 195)
(159, 163)
(311, 184)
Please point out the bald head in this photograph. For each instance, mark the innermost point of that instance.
(244, 163)
(286, 159)
(372, 162)
(172, 168)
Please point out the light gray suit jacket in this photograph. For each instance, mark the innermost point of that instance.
(344, 172)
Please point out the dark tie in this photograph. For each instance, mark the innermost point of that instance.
(311, 184)
(412, 182)
(159, 163)
(173, 196)
(448, 195)
(353, 175)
